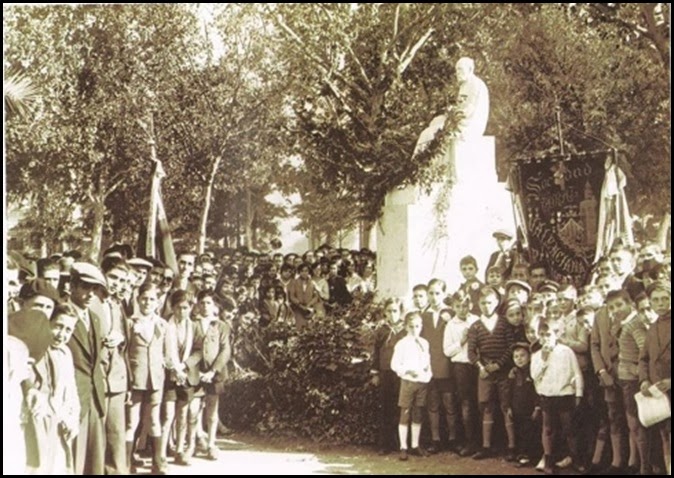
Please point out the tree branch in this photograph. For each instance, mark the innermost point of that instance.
(114, 186)
(659, 41)
(409, 54)
(319, 62)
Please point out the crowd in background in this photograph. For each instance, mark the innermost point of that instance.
(110, 360)
(131, 355)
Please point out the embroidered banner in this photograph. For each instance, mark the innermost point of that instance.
(560, 200)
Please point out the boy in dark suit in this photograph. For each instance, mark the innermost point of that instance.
(441, 387)
(472, 284)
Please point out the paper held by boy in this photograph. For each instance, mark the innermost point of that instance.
(653, 409)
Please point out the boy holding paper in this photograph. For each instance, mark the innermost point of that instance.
(655, 362)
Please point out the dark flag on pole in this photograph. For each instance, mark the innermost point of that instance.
(558, 201)
(155, 238)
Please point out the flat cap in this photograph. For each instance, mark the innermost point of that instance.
(139, 262)
(38, 287)
(519, 283)
(548, 286)
(88, 273)
(503, 233)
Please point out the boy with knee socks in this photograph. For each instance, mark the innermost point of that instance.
(412, 363)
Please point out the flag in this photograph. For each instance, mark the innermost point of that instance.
(614, 217)
(155, 241)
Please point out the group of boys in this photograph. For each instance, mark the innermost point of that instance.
(560, 369)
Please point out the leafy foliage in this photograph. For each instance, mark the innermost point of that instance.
(314, 383)
(366, 80)
(609, 93)
(340, 90)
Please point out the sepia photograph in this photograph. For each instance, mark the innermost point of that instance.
(349, 238)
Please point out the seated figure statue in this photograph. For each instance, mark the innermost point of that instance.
(472, 106)
(473, 101)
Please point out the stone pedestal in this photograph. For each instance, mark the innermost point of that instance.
(416, 243)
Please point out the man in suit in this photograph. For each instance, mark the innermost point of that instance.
(339, 294)
(506, 256)
(86, 346)
(623, 264)
(441, 387)
(113, 327)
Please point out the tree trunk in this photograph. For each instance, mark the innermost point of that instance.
(44, 248)
(365, 233)
(207, 204)
(249, 219)
(97, 230)
(663, 232)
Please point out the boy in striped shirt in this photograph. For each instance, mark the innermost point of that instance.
(489, 342)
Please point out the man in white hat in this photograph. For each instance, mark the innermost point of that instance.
(506, 256)
(86, 347)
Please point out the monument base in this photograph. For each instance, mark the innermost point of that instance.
(421, 237)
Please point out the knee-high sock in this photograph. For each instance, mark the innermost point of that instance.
(434, 421)
(598, 451)
(487, 426)
(416, 433)
(616, 448)
(510, 431)
(402, 434)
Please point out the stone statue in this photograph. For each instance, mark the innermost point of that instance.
(472, 105)
(425, 231)
(473, 101)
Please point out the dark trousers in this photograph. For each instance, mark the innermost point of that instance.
(441, 395)
(115, 429)
(466, 387)
(89, 444)
(558, 416)
(389, 389)
(527, 436)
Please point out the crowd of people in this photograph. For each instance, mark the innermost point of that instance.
(107, 360)
(130, 355)
(559, 366)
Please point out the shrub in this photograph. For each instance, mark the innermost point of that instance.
(314, 383)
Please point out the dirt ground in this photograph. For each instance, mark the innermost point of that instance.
(345, 459)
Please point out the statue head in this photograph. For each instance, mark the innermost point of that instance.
(464, 68)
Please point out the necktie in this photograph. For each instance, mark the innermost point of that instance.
(84, 317)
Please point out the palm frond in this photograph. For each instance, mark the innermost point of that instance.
(19, 92)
